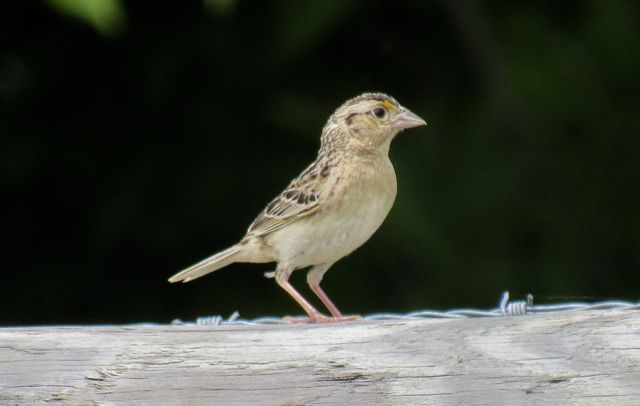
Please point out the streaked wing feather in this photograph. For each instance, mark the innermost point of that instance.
(279, 213)
(299, 200)
(266, 224)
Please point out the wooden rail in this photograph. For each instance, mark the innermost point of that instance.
(574, 357)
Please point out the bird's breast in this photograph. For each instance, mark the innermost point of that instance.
(357, 203)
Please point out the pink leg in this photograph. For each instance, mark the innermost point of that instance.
(325, 299)
(282, 278)
(337, 315)
(311, 311)
(314, 276)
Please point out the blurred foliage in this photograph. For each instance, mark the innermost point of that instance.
(220, 7)
(138, 138)
(106, 16)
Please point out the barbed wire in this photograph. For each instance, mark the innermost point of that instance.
(506, 308)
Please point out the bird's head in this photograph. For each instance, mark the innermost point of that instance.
(370, 121)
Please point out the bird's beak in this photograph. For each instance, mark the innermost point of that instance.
(407, 119)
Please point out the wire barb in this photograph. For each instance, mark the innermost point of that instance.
(506, 308)
(518, 308)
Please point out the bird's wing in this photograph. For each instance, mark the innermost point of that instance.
(300, 199)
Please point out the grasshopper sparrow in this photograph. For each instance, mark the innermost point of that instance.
(332, 208)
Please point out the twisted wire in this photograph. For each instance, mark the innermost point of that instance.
(505, 308)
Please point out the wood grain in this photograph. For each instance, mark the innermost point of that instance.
(575, 357)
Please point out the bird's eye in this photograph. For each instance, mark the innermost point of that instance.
(379, 112)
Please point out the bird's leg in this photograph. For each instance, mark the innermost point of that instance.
(327, 302)
(282, 275)
(314, 276)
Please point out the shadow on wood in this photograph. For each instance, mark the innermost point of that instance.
(576, 357)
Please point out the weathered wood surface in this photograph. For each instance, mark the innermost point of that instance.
(577, 357)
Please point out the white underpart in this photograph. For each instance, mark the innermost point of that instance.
(343, 225)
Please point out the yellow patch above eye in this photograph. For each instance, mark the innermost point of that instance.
(387, 105)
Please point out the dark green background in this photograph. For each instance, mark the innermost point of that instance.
(140, 139)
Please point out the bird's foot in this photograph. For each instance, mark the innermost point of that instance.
(321, 318)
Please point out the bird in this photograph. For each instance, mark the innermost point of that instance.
(333, 207)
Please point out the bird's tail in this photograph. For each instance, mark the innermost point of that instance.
(213, 263)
